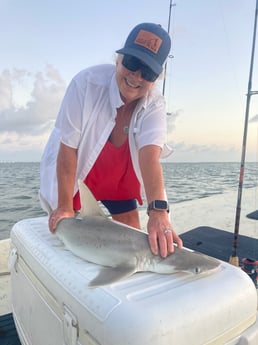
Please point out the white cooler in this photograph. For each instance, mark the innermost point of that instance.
(52, 304)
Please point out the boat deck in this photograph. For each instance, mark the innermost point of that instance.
(5, 301)
(8, 333)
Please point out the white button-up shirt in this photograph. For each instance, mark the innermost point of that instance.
(86, 120)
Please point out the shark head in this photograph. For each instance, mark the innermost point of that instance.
(202, 263)
(189, 261)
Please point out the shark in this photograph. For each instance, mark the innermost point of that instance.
(121, 250)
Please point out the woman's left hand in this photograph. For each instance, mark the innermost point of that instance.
(161, 234)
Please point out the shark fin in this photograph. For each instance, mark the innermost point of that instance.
(89, 205)
(109, 275)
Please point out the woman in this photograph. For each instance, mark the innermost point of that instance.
(110, 132)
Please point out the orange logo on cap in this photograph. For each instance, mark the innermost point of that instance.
(148, 40)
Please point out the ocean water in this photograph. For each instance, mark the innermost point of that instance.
(19, 185)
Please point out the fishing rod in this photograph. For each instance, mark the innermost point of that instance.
(168, 30)
(234, 260)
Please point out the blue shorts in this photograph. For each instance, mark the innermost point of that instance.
(120, 206)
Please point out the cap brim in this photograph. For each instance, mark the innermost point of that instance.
(145, 58)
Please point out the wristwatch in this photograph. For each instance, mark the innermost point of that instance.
(158, 205)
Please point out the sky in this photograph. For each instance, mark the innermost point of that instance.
(44, 44)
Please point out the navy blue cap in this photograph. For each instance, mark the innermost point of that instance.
(150, 43)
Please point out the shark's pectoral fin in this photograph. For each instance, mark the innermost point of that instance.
(109, 275)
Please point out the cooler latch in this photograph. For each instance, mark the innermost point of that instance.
(70, 327)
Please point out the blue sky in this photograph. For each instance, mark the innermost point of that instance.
(45, 43)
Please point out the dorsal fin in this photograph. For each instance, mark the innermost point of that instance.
(89, 205)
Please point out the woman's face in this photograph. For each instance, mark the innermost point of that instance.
(131, 84)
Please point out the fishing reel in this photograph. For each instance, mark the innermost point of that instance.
(250, 266)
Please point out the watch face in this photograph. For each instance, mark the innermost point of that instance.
(161, 204)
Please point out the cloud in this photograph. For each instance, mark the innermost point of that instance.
(210, 153)
(188, 152)
(38, 112)
(171, 123)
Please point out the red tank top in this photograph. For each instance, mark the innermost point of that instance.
(112, 177)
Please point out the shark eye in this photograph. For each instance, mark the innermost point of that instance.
(197, 270)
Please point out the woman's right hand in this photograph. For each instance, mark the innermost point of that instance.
(66, 168)
(57, 215)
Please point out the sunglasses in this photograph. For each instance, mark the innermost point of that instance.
(133, 64)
